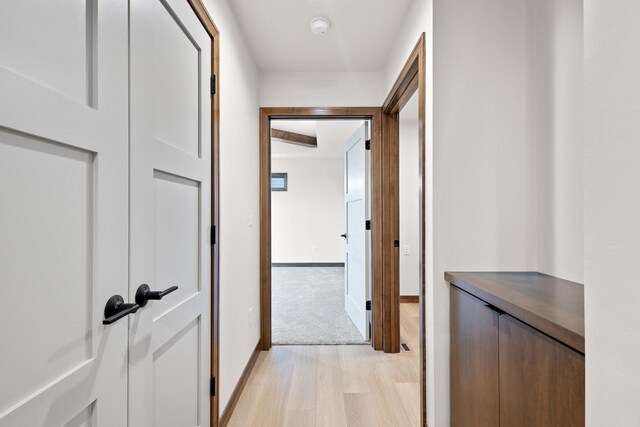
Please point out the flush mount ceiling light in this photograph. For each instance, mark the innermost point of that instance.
(320, 26)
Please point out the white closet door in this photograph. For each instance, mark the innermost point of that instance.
(356, 205)
(63, 212)
(170, 214)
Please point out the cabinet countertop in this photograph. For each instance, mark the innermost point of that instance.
(553, 306)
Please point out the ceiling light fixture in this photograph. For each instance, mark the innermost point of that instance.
(320, 26)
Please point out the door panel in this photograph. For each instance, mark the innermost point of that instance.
(177, 70)
(177, 238)
(356, 200)
(60, 58)
(170, 213)
(475, 393)
(541, 380)
(63, 234)
(63, 184)
(175, 374)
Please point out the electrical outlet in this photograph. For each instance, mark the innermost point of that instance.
(407, 250)
(314, 249)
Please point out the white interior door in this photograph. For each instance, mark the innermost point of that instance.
(356, 200)
(170, 168)
(63, 212)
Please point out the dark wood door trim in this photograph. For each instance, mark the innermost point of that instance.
(212, 30)
(391, 232)
(412, 78)
(369, 113)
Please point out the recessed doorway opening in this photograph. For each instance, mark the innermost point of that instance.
(320, 246)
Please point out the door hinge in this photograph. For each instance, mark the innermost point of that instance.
(367, 144)
(368, 305)
(367, 224)
(213, 235)
(212, 391)
(396, 243)
(213, 84)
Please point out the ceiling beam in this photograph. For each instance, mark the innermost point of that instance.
(295, 138)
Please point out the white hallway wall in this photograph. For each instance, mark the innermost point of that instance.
(483, 155)
(310, 213)
(487, 196)
(556, 87)
(419, 19)
(612, 211)
(320, 89)
(409, 205)
(239, 197)
(472, 58)
(503, 153)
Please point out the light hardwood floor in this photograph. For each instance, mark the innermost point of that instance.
(335, 385)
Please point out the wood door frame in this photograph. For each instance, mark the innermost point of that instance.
(321, 113)
(412, 78)
(212, 30)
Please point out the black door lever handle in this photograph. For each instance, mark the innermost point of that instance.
(344, 235)
(116, 309)
(144, 294)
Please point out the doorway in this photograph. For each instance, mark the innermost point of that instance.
(408, 90)
(385, 245)
(267, 117)
(320, 270)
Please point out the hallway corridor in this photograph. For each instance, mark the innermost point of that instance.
(335, 385)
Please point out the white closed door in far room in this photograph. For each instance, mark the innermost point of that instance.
(63, 212)
(170, 110)
(356, 204)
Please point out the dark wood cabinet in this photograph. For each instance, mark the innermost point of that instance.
(541, 380)
(474, 362)
(507, 372)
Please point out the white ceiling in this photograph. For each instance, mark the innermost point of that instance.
(331, 134)
(305, 127)
(360, 37)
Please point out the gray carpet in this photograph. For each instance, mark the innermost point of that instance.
(307, 307)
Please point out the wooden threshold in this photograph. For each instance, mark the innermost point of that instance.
(412, 299)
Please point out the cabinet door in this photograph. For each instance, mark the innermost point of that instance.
(541, 380)
(474, 362)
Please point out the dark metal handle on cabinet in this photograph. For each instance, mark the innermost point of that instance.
(116, 309)
(344, 235)
(144, 294)
(494, 308)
